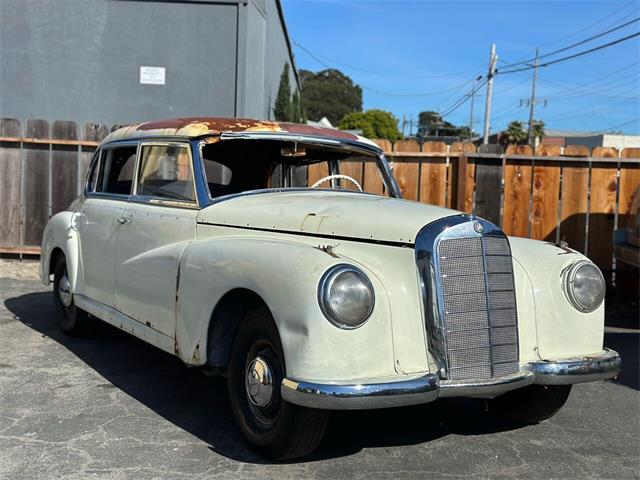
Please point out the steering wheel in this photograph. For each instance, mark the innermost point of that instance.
(330, 177)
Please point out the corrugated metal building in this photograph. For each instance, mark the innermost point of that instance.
(125, 61)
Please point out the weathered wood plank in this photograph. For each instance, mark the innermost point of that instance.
(573, 198)
(488, 188)
(406, 169)
(316, 172)
(517, 192)
(372, 181)
(470, 185)
(406, 175)
(384, 144)
(433, 175)
(36, 181)
(573, 213)
(458, 174)
(602, 205)
(10, 185)
(545, 197)
(64, 166)
(353, 170)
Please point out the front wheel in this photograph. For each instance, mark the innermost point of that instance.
(532, 404)
(281, 430)
(71, 319)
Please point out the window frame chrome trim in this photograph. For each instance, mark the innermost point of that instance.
(159, 201)
(99, 151)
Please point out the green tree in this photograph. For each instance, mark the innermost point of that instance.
(329, 93)
(282, 108)
(373, 123)
(296, 109)
(538, 129)
(516, 133)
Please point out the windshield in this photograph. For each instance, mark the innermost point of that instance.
(236, 166)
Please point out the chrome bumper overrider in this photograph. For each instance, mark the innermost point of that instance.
(426, 388)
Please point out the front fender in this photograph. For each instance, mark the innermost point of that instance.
(61, 233)
(561, 330)
(285, 274)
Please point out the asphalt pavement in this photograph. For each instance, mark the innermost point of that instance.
(111, 406)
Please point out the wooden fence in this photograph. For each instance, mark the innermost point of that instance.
(555, 194)
(566, 194)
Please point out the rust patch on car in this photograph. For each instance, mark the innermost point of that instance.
(196, 354)
(203, 126)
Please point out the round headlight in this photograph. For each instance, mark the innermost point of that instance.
(584, 286)
(346, 296)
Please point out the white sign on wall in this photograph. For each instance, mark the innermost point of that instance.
(152, 75)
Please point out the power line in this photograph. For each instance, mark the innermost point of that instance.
(382, 74)
(575, 55)
(391, 94)
(582, 42)
(625, 7)
(607, 130)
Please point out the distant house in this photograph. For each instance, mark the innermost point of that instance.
(568, 137)
(562, 138)
(125, 61)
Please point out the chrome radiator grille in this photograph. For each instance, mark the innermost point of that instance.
(480, 320)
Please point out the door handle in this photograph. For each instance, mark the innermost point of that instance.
(123, 220)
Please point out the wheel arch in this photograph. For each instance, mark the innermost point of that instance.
(224, 321)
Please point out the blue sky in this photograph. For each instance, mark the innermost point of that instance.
(411, 56)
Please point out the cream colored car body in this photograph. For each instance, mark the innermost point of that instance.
(177, 265)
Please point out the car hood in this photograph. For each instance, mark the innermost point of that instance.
(333, 214)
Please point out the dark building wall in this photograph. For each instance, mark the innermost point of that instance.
(80, 59)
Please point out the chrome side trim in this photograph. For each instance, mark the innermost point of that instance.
(412, 391)
(601, 366)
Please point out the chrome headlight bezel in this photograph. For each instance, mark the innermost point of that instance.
(568, 285)
(324, 292)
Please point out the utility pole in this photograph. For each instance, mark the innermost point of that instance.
(404, 123)
(493, 59)
(473, 93)
(532, 102)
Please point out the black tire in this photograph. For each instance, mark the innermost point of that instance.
(278, 429)
(71, 320)
(532, 404)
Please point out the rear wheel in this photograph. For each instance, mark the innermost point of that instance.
(279, 429)
(71, 319)
(531, 404)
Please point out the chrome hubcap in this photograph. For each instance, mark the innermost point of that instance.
(64, 291)
(259, 382)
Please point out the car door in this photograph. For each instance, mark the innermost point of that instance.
(159, 222)
(107, 192)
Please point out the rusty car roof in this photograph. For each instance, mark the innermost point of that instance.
(204, 126)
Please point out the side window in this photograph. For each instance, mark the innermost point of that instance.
(218, 178)
(116, 170)
(165, 172)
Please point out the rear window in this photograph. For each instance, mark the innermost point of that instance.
(116, 170)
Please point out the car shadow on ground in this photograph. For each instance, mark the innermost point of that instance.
(199, 405)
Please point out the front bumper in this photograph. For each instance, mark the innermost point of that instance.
(413, 390)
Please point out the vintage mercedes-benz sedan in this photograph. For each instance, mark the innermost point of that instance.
(282, 256)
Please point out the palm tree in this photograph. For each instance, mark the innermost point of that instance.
(515, 133)
(538, 129)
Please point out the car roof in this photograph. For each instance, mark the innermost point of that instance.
(196, 127)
